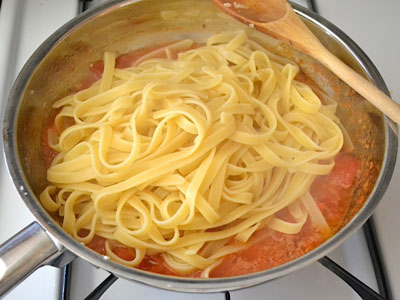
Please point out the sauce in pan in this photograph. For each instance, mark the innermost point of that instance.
(267, 248)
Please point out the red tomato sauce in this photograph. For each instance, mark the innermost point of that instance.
(48, 153)
(96, 70)
(125, 61)
(331, 193)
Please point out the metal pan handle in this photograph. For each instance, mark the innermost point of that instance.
(22, 254)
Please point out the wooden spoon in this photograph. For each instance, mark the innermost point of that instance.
(277, 18)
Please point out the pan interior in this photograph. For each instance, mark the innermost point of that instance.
(143, 24)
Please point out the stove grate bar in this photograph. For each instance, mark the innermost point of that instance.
(102, 288)
(227, 295)
(377, 259)
(363, 290)
(66, 282)
(312, 5)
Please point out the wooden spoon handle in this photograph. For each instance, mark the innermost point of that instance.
(293, 31)
(365, 88)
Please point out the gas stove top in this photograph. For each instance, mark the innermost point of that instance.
(25, 24)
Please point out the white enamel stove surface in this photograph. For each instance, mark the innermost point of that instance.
(24, 24)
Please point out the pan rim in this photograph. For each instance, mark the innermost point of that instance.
(179, 283)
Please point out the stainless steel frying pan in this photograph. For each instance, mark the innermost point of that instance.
(62, 61)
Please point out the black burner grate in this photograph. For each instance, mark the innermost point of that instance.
(377, 259)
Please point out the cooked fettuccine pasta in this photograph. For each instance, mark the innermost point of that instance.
(189, 157)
